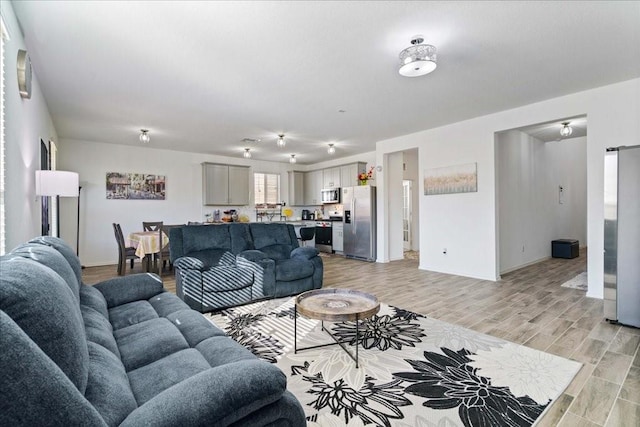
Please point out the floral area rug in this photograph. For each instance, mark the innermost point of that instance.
(578, 282)
(413, 370)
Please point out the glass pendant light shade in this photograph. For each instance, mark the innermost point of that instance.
(331, 149)
(292, 159)
(566, 130)
(247, 153)
(144, 136)
(281, 141)
(417, 60)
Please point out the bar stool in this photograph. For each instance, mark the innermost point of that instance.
(306, 233)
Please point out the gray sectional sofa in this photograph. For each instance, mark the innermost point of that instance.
(218, 266)
(123, 352)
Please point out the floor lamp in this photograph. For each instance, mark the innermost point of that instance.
(59, 184)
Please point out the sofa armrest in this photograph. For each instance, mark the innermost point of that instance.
(304, 253)
(189, 263)
(135, 287)
(253, 255)
(217, 396)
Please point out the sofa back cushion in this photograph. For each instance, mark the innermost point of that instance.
(47, 255)
(199, 238)
(44, 307)
(65, 250)
(240, 238)
(275, 240)
(34, 390)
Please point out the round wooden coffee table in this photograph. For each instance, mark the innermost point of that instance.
(334, 305)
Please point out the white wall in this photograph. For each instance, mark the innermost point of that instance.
(465, 223)
(26, 122)
(529, 173)
(183, 171)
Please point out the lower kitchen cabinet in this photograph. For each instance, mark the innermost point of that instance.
(337, 238)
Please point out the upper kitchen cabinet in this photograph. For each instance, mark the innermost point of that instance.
(313, 182)
(225, 185)
(349, 173)
(296, 188)
(331, 177)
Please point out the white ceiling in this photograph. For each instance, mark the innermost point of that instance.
(204, 75)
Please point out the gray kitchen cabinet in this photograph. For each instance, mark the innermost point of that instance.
(349, 173)
(331, 177)
(337, 236)
(225, 185)
(312, 187)
(296, 188)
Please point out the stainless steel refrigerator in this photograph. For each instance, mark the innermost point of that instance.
(622, 235)
(359, 220)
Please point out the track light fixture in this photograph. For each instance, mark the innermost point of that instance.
(144, 136)
(281, 141)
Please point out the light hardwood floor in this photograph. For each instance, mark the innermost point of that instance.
(527, 306)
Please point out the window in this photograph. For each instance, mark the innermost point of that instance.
(3, 36)
(266, 188)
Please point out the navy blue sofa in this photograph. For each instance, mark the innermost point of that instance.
(123, 352)
(224, 265)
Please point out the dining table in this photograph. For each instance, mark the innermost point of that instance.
(147, 243)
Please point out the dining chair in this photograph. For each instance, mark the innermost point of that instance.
(165, 251)
(124, 252)
(157, 257)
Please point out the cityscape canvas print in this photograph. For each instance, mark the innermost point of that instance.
(451, 179)
(138, 186)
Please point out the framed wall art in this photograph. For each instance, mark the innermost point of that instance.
(451, 179)
(136, 186)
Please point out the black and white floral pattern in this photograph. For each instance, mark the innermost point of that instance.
(382, 332)
(373, 403)
(447, 381)
(413, 370)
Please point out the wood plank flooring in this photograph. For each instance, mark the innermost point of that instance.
(527, 306)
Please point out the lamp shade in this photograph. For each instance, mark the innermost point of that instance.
(57, 183)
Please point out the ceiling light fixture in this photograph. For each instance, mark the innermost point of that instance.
(292, 159)
(566, 130)
(144, 136)
(247, 153)
(331, 149)
(417, 60)
(281, 141)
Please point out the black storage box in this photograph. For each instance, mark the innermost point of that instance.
(565, 248)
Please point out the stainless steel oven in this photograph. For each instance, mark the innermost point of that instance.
(324, 236)
(330, 195)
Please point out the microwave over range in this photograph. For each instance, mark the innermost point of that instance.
(330, 195)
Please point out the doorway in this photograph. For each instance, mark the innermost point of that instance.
(541, 190)
(45, 164)
(406, 214)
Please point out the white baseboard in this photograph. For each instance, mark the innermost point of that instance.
(527, 264)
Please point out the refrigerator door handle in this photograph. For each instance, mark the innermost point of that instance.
(354, 215)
